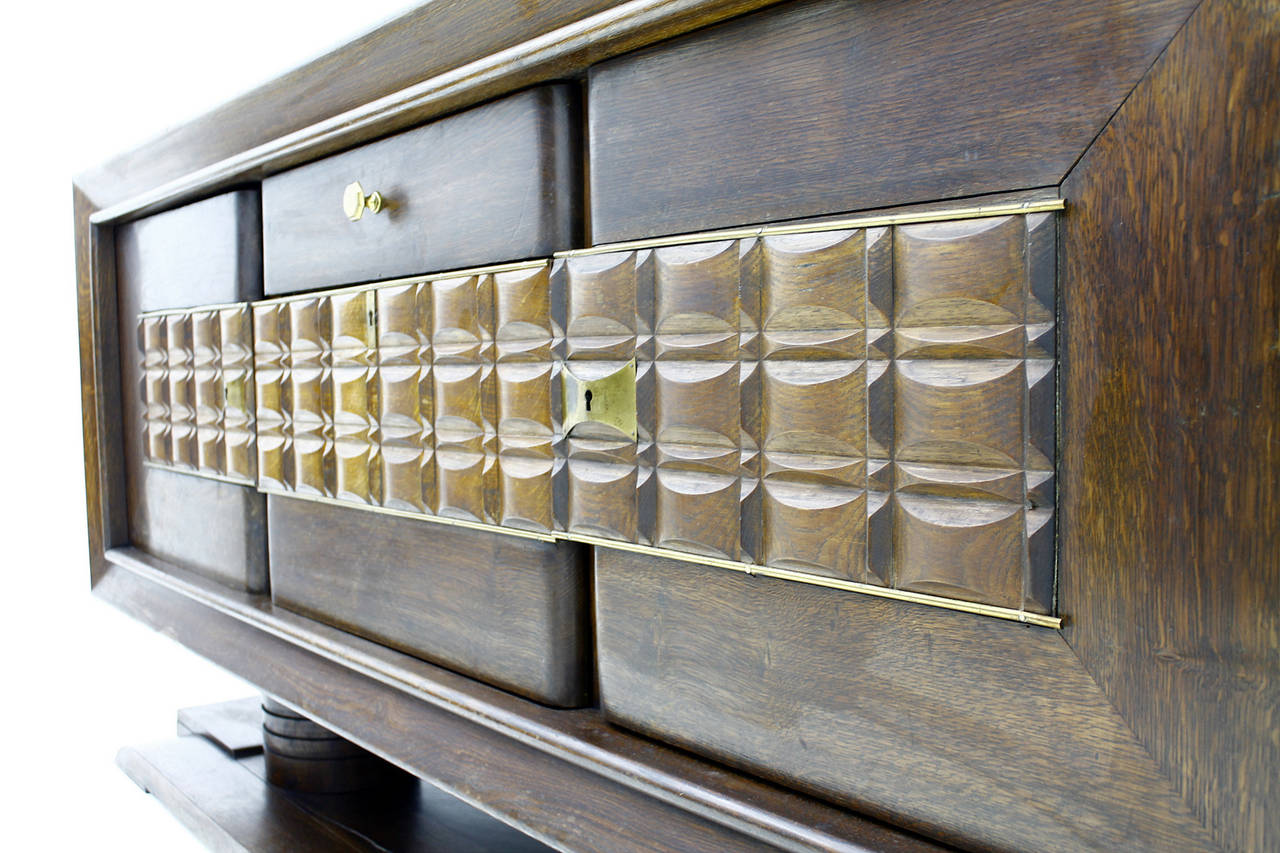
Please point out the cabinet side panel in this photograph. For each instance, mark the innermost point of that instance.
(826, 106)
(1171, 416)
(205, 253)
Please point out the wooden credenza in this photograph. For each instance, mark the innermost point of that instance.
(712, 424)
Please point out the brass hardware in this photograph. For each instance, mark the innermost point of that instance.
(370, 319)
(609, 400)
(233, 393)
(1006, 613)
(909, 218)
(355, 202)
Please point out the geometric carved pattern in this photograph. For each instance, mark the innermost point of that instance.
(432, 397)
(872, 405)
(197, 391)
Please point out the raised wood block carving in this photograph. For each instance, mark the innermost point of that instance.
(870, 405)
(197, 391)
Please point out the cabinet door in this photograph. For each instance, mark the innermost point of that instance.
(188, 430)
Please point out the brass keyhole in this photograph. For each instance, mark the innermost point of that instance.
(588, 396)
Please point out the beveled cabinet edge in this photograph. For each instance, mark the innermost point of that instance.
(543, 58)
(173, 600)
(908, 217)
(913, 216)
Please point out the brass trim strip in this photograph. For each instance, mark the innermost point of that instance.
(195, 472)
(542, 58)
(908, 218)
(419, 516)
(195, 309)
(491, 269)
(1006, 613)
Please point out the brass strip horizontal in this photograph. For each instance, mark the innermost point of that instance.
(882, 220)
(196, 309)
(195, 472)
(1006, 613)
(491, 269)
(418, 516)
(817, 580)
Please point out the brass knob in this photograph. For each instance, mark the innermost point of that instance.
(354, 201)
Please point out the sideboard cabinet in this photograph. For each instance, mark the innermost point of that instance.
(726, 424)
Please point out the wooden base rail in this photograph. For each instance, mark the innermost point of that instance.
(593, 781)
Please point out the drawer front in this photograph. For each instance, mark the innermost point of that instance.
(866, 407)
(185, 376)
(512, 612)
(983, 733)
(833, 105)
(498, 181)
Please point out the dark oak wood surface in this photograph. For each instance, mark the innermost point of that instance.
(566, 777)
(206, 253)
(985, 734)
(97, 320)
(1171, 417)
(510, 611)
(386, 82)
(412, 47)
(227, 804)
(495, 183)
(824, 106)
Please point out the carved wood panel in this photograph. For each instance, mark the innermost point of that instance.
(197, 391)
(870, 406)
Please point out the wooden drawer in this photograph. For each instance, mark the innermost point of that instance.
(208, 253)
(510, 611)
(500, 181)
(818, 107)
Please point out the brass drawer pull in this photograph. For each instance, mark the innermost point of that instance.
(354, 201)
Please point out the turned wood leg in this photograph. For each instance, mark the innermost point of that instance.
(304, 756)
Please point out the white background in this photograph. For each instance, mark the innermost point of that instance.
(82, 82)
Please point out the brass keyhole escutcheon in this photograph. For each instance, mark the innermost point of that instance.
(355, 202)
(609, 399)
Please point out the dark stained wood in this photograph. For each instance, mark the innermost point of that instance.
(413, 819)
(1171, 411)
(831, 105)
(983, 733)
(496, 183)
(225, 805)
(100, 403)
(206, 253)
(355, 94)
(509, 611)
(592, 781)
(870, 404)
(235, 727)
(331, 774)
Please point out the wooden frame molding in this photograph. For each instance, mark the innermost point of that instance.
(1168, 534)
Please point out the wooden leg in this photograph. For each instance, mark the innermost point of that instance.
(306, 757)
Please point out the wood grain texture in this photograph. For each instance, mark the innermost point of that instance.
(498, 182)
(1171, 395)
(228, 805)
(100, 383)
(593, 781)
(224, 148)
(197, 391)
(207, 253)
(509, 611)
(984, 734)
(875, 405)
(826, 106)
